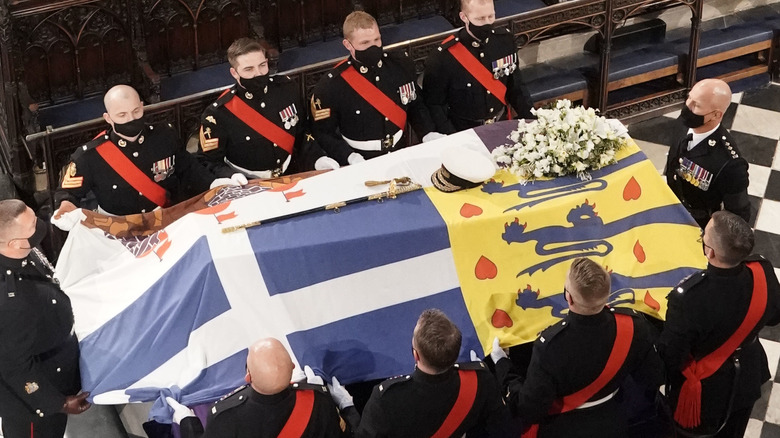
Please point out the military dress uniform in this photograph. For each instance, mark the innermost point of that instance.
(567, 357)
(156, 153)
(39, 354)
(416, 405)
(703, 311)
(248, 414)
(228, 144)
(457, 100)
(345, 122)
(711, 173)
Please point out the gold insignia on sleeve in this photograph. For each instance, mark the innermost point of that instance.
(70, 180)
(317, 111)
(30, 387)
(211, 120)
(207, 143)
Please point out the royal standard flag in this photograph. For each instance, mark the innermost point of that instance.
(168, 301)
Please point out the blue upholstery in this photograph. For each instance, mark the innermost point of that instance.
(505, 8)
(638, 62)
(411, 29)
(72, 112)
(545, 81)
(184, 84)
(721, 40)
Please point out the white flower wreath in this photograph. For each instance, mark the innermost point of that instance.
(561, 141)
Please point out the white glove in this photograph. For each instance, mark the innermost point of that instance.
(180, 411)
(431, 136)
(354, 158)
(325, 163)
(340, 394)
(311, 378)
(68, 220)
(474, 356)
(497, 353)
(239, 179)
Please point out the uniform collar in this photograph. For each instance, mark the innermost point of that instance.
(698, 138)
(467, 40)
(432, 378)
(269, 399)
(725, 272)
(121, 142)
(364, 68)
(13, 264)
(596, 319)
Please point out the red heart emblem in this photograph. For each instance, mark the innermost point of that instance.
(501, 319)
(485, 269)
(470, 210)
(632, 190)
(639, 252)
(651, 302)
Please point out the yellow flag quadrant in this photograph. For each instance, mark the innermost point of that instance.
(513, 243)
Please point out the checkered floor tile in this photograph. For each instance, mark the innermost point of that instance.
(754, 121)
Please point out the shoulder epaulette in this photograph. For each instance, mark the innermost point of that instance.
(338, 68)
(384, 386)
(280, 79)
(448, 42)
(755, 258)
(92, 144)
(550, 332)
(230, 401)
(501, 31)
(225, 97)
(476, 365)
(300, 386)
(624, 311)
(689, 281)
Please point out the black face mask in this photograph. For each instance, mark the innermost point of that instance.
(38, 235)
(131, 128)
(691, 120)
(256, 84)
(481, 32)
(370, 56)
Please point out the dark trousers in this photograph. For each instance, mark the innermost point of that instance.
(52, 426)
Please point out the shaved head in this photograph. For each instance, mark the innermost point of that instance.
(709, 98)
(118, 95)
(269, 367)
(122, 105)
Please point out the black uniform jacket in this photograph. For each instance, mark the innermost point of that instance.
(39, 356)
(156, 152)
(248, 414)
(416, 405)
(714, 171)
(704, 311)
(569, 356)
(223, 135)
(338, 110)
(456, 100)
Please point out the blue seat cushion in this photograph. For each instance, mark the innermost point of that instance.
(72, 112)
(505, 8)
(639, 62)
(545, 82)
(412, 29)
(191, 82)
(311, 54)
(717, 41)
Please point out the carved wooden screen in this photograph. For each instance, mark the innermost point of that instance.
(74, 52)
(183, 35)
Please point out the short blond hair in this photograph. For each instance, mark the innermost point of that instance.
(591, 282)
(357, 20)
(466, 3)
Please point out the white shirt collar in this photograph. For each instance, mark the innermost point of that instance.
(697, 138)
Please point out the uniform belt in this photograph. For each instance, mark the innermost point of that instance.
(262, 174)
(375, 145)
(487, 121)
(48, 354)
(600, 401)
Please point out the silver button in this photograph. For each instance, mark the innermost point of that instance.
(386, 119)
(357, 111)
(481, 55)
(8, 272)
(135, 154)
(468, 84)
(140, 194)
(54, 301)
(114, 187)
(488, 91)
(377, 79)
(143, 210)
(247, 138)
(59, 369)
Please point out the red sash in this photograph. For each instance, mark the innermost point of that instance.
(466, 395)
(132, 174)
(688, 412)
(301, 413)
(260, 124)
(624, 334)
(373, 95)
(476, 69)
